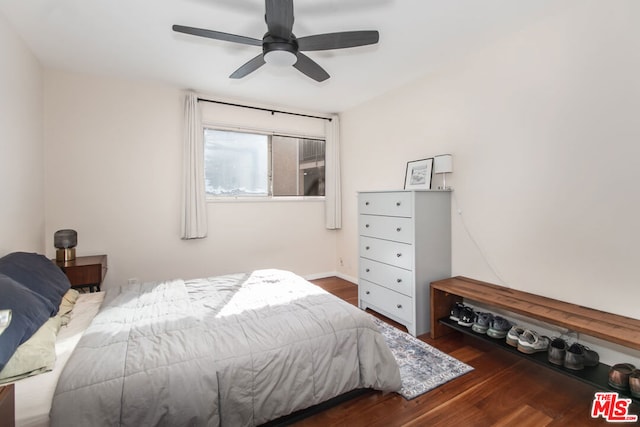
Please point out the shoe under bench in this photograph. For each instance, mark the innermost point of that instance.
(614, 328)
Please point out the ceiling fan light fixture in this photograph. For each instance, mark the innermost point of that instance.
(280, 58)
(281, 47)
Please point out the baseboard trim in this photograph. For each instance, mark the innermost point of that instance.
(348, 278)
(342, 276)
(316, 276)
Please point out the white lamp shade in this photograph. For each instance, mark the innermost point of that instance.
(443, 164)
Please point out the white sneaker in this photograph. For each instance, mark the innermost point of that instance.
(530, 342)
(514, 335)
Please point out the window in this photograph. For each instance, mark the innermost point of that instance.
(252, 164)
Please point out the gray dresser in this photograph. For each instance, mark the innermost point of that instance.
(405, 244)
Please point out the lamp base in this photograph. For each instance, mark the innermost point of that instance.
(63, 255)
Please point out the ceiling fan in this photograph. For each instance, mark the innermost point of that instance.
(280, 46)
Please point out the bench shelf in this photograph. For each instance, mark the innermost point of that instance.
(607, 326)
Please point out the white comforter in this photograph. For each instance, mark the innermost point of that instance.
(232, 350)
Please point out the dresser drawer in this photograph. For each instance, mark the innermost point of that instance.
(387, 227)
(394, 253)
(390, 204)
(397, 279)
(385, 299)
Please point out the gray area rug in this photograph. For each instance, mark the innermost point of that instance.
(422, 367)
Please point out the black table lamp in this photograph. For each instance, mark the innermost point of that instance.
(65, 241)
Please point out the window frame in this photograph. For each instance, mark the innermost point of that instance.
(270, 198)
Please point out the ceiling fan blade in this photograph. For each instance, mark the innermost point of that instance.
(249, 67)
(338, 40)
(217, 35)
(309, 67)
(279, 18)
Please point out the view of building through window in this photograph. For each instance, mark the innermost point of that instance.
(251, 164)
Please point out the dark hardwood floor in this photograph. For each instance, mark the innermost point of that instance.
(503, 390)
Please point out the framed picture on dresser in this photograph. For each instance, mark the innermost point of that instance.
(418, 174)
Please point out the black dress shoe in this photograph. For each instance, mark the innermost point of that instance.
(578, 356)
(557, 351)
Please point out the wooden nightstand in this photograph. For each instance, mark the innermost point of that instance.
(7, 406)
(85, 271)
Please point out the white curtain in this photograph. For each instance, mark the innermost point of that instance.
(333, 195)
(194, 205)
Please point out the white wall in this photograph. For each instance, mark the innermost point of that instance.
(21, 148)
(543, 128)
(114, 164)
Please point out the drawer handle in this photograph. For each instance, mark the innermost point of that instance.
(366, 203)
(398, 229)
(398, 255)
(399, 306)
(399, 280)
(398, 203)
(367, 292)
(367, 270)
(366, 248)
(366, 226)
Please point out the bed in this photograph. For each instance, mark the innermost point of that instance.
(240, 349)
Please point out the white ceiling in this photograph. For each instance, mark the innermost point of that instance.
(133, 39)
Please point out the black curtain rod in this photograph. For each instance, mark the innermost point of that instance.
(272, 111)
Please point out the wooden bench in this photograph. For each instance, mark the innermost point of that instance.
(607, 326)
